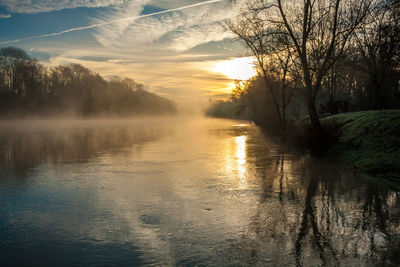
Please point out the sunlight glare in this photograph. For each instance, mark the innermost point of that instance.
(241, 159)
(241, 149)
(241, 68)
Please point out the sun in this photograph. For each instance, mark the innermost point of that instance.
(241, 68)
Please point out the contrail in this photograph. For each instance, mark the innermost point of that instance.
(110, 22)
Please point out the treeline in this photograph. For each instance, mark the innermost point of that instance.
(236, 108)
(318, 57)
(27, 88)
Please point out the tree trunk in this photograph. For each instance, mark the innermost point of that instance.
(312, 112)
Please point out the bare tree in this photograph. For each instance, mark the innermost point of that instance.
(12, 61)
(318, 32)
(378, 44)
(274, 58)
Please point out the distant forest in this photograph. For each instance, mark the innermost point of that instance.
(27, 88)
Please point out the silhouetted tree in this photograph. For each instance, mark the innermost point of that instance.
(317, 32)
(378, 43)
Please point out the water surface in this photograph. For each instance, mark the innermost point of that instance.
(183, 192)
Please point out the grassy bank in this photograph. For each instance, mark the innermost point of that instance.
(369, 141)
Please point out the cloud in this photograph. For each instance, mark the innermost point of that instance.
(120, 23)
(168, 4)
(5, 16)
(37, 6)
(177, 31)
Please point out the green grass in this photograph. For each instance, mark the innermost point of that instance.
(369, 141)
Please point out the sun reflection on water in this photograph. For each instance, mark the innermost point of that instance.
(241, 160)
(241, 149)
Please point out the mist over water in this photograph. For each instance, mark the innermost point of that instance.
(182, 191)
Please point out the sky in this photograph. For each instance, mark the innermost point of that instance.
(177, 48)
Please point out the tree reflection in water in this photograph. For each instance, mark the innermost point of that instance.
(328, 217)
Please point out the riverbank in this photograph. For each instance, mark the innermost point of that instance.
(369, 141)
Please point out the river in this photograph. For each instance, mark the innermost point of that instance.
(187, 192)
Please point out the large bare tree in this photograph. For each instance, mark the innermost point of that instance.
(317, 31)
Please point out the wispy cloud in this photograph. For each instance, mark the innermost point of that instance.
(122, 23)
(5, 16)
(180, 30)
(37, 6)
